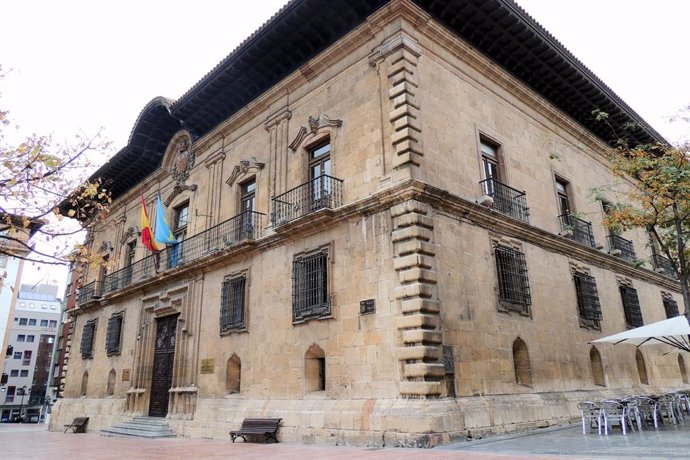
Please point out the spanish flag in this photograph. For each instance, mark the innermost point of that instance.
(146, 236)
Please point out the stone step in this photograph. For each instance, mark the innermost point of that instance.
(141, 427)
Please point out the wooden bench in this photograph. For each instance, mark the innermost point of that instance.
(78, 425)
(266, 427)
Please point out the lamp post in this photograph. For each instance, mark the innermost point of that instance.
(21, 404)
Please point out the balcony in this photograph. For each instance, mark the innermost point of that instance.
(89, 292)
(577, 229)
(323, 192)
(620, 246)
(507, 200)
(663, 265)
(243, 227)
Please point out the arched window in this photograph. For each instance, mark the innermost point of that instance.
(523, 370)
(84, 383)
(233, 374)
(111, 383)
(597, 367)
(315, 369)
(683, 371)
(641, 368)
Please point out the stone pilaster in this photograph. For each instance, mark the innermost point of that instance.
(420, 351)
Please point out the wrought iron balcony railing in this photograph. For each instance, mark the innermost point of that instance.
(578, 229)
(323, 192)
(89, 292)
(244, 226)
(507, 200)
(663, 265)
(618, 243)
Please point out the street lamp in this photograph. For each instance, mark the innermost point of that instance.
(21, 404)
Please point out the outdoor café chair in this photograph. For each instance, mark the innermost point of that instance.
(646, 408)
(667, 408)
(612, 411)
(590, 413)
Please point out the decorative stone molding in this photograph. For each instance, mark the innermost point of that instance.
(315, 125)
(106, 246)
(131, 232)
(244, 167)
(182, 157)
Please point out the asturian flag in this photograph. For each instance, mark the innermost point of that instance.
(163, 233)
(146, 236)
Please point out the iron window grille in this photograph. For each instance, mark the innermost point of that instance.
(671, 307)
(663, 265)
(113, 336)
(87, 337)
(631, 307)
(626, 248)
(513, 281)
(587, 297)
(232, 304)
(310, 297)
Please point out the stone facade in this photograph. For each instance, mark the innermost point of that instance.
(416, 346)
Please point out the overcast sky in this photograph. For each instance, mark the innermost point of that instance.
(75, 66)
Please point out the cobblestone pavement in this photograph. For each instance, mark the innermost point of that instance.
(35, 442)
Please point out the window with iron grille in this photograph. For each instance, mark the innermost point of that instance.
(87, 336)
(587, 297)
(113, 336)
(631, 306)
(513, 282)
(232, 304)
(671, 307)
(310, 297)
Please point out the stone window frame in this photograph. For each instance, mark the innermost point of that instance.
(115, 327)
(631, 303)
(483, 137)
(670, 305)
(87, 339)
(326, 307)
(580, 275)
(235, 326)
(506, 305)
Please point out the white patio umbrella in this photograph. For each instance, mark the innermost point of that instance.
(673, 332)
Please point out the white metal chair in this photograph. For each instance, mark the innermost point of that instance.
(590, 413)
(612, 411)
(667, 408)
(645, 408)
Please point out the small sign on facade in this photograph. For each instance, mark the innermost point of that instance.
(367, 307)
(126, 373)
(207, 366)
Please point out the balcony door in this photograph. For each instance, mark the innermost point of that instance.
(247, 209)
(320, 172)
(490, 167)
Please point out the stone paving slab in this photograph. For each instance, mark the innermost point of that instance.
(36, 443)
(668, 442)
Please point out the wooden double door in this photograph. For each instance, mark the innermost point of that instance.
(163, 364)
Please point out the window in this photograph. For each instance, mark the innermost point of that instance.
(113, 335)
(24, 373)
(180, 219)
(641, 368)
(53, 323)
(247, 207)
(631, 307)
(319, 174)
(562, 188)
(3, 378)
(232, 304)
(27, 358)
(233, 374)
(10, 393)
(87, 337)
(44, 323)
(490, 163)
(129, 261)
(310, 286)
(30, 338)
(671, 307)
(521, 364)
(14, 373)
(23, 321)
(21, 338)
(32, 322)
(315, 369)
(17, 355)
(513, 282)
(597, 367)
(587, 298)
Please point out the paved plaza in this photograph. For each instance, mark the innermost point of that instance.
(30, 441)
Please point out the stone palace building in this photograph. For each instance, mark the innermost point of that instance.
(385, 238)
